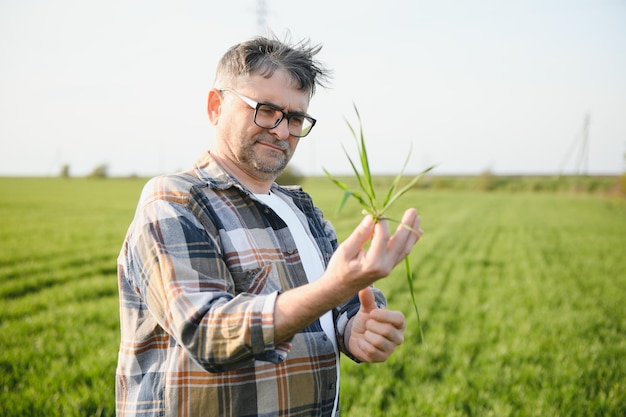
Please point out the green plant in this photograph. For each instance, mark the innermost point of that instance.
(370, 203)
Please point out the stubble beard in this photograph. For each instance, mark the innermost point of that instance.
(268, 168)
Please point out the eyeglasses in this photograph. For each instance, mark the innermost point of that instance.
(269, 116)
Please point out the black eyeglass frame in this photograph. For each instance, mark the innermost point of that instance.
(255, 105)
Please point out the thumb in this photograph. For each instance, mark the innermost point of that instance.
(368, 302)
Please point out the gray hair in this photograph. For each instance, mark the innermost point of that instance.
(264, 56)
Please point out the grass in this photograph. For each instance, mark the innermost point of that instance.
(522, 300)
(522, 296)
(59, 319)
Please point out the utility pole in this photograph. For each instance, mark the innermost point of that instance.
(582, 142)
(583, 158)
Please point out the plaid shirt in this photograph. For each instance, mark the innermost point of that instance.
(199, 273)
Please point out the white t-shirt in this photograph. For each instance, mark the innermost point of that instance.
(311, 261)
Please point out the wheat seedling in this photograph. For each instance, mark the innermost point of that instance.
(366, 197)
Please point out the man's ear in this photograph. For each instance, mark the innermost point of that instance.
(214, 105)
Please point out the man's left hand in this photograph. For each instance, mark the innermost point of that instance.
(374, 333)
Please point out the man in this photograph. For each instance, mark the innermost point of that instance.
(235, 297)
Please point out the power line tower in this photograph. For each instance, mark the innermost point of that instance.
(261, 17)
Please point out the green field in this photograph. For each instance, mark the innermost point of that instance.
(522, 296)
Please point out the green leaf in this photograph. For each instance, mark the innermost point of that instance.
(406, 188)
(348, 192)
(368, 186)
(364, 179)
(360, 179)
(397, 179)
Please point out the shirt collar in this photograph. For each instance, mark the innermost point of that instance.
(207, 169)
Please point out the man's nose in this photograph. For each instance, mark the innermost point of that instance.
(282, 130)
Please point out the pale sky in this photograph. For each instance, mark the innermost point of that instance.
(471, 85)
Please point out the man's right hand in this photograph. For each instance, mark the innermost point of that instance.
(354, 267)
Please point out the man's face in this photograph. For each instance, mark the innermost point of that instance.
(261, 153)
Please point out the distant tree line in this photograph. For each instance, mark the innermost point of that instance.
(100, 171)
(486, 181)
(289, 176)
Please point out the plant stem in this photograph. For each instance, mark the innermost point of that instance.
(409, 278)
